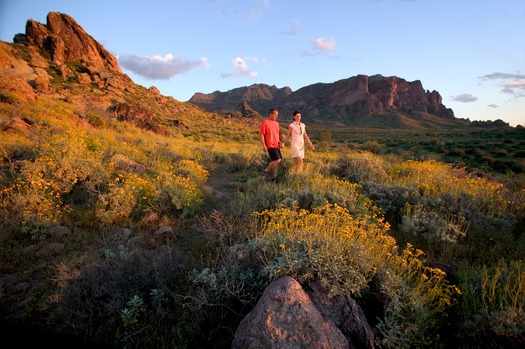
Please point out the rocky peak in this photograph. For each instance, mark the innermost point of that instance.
(66, 42)
(259, 97)
(347, 100)
(87, 72)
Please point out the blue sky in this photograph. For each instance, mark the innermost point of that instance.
(471, 51)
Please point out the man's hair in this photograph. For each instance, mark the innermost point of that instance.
(272, 110)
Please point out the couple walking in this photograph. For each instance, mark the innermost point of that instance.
(272, 141)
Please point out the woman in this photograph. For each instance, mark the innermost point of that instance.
(297, 131)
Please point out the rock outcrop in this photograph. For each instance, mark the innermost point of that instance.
(287, 317)
(61, 45)
(67, 42)
(247, 111)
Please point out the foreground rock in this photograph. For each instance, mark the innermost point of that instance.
(286, 317)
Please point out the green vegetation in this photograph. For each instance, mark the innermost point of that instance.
(124, 237)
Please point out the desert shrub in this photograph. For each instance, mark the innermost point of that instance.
(230, 286)
(461, 188)
(122, 163)
(176, 196)
(320, 164)
(432, 226)
(448, 200)
(100, 303)
(391, 198)
(115, 206)
(325, 137)
(15, 146)
(245, 159)
(304, 190)
(233, 158)
(329, 190)
(257, 196)
(57, 176)
(499, 152)
(228, 283)
(515, 166)
(10, 97)
(35, 197)
(95, 119)
(191, 169)
(457, 152)
(359, 167)
(373, 146)
(419, 299)
(325, 243)
(494, 304)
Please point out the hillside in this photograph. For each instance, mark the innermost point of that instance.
(88, 78)
(129, 219)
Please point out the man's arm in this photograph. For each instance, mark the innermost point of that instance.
(263, 142)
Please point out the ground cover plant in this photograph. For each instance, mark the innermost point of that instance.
(117, 236)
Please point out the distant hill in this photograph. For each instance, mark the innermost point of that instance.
(359, 101)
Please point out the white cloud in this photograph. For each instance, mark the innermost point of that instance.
(240, 68)
(324, 44)
(158, 67)
(321, 45)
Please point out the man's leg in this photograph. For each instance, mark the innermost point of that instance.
(273, 167)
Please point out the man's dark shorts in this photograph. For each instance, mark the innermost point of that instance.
(275, 153)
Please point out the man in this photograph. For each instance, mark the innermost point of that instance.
(272, 141)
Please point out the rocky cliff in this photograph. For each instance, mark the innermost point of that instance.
(349, 100)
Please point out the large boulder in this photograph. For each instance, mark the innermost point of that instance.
(286, 317)
(346, 314)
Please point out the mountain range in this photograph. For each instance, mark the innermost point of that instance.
(360, 100)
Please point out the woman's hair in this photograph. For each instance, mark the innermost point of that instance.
(296, 112)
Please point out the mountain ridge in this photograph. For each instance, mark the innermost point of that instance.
(360, 100)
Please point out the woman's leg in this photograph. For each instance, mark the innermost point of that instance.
(299, 164)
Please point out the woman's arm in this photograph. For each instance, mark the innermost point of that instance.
(308, 140)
